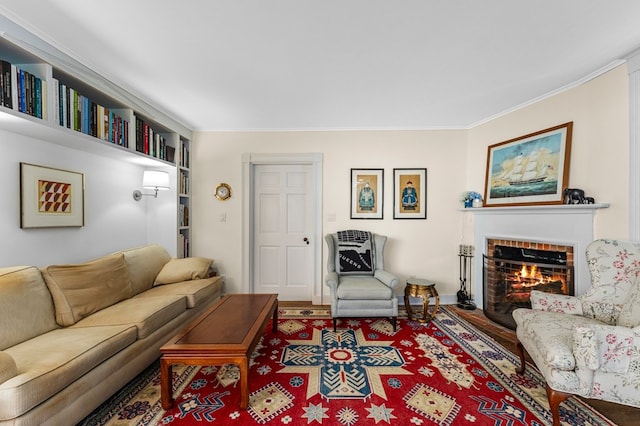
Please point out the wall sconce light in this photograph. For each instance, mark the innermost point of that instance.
(152, 179)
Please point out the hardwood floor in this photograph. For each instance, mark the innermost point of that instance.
(620, 414)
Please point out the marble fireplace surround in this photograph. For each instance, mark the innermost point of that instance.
(570, 225)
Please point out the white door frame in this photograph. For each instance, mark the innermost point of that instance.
(249, 160)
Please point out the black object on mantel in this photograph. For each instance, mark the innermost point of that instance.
(465, 300)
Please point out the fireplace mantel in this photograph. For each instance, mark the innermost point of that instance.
(556, 208)
(570, 225)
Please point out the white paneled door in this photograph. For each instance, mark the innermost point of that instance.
(282, 230)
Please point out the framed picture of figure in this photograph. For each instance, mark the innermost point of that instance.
(409, 193)
(367, 186)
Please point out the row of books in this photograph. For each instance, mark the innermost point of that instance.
(77, 112)
(183, 246)
(184, 156)
(27, 93)
(183, 215)
(23, 91)
(183, 183)
(152, 143)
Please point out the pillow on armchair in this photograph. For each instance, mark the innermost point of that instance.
(552, 302)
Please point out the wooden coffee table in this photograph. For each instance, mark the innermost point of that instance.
(226, 334)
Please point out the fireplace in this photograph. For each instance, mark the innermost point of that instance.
(512, 269)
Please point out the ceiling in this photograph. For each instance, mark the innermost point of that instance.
(337, 64)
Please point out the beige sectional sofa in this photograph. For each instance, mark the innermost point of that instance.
(72, 335)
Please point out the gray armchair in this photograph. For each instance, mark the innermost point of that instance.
(359, 285)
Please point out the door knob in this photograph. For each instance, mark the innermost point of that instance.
(306, 240)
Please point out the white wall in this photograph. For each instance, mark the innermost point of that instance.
(113, 220)
(424, 248)
(456, 161)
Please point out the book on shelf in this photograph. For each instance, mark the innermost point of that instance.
(183, 215)
(184, 156)
(183, 245)
(184, 183)
(170, 153)
(5, 75)
(151, 142)
(22, 91)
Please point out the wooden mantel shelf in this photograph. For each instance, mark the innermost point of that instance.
(538, 209)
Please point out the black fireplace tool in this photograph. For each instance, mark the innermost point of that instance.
(465, 300)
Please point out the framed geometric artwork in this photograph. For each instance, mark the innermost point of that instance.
(50, 197)
(529, 170)
(409, 193)
(367, 193)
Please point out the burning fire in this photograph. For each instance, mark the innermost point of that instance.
(531, 277)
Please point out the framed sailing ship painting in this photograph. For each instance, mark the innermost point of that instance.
(529, 170)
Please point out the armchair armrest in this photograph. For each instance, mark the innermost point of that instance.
(605, 348)
(331, 279)
(551, 302)
(386, 278)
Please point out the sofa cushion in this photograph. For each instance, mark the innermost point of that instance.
(82, 289)
(196, 291)
(50, 362)
(8, 368)
(188, 268)
(630, 312)
(144, 265)
(26, 310)
(363, 287)
(147, 314)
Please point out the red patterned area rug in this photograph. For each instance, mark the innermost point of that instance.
(445, 372)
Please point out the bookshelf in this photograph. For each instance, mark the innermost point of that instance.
(184, 199)
(67, 104)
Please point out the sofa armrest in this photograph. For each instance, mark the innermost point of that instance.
(606, 348)
(551, 302)
(8, 368)
(387, 278)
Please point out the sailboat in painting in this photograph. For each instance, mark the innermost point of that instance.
(527, 170)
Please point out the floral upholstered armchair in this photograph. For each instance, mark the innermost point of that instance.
(589, 345)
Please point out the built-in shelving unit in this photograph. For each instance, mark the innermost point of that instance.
(184, 199)
(51, 97)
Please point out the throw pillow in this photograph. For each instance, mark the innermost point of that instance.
(555, 302)
(189, 268)
(80, 290)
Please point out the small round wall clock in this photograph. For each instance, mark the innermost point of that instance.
(223, 191)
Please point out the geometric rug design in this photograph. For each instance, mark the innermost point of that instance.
(445, 372)
(344, 364)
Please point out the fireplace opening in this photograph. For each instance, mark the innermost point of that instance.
(511, 271)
